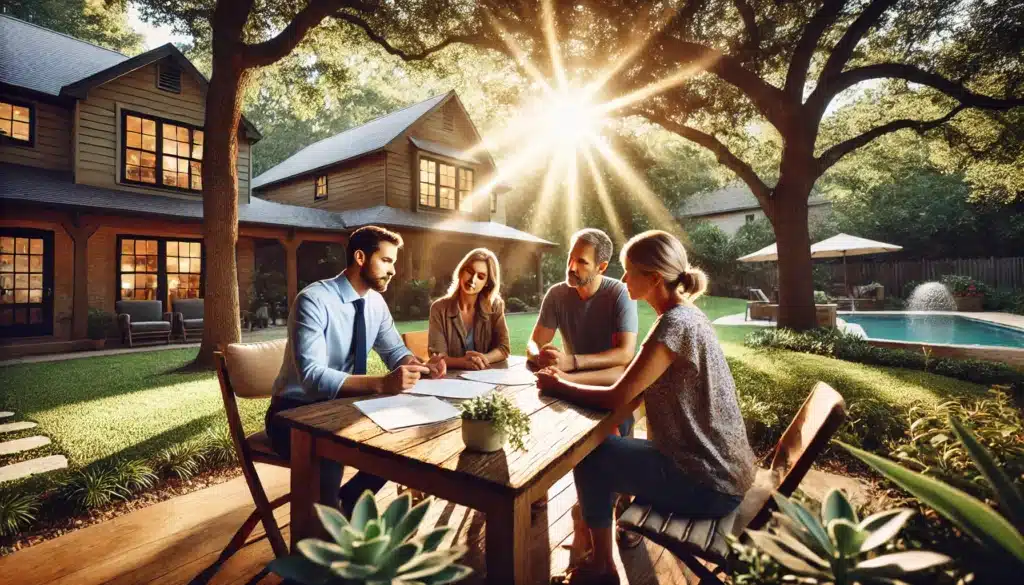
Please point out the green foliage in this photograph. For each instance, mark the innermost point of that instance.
(183, 460)
(846, 346)
(102, 22)
(502, 412)
(837, 547)
(410, 299)
(17, 511)
(102, 483)
(964, 286)
(100, 324)
(374, 549)
(218, 447)
(821, 298)
(516, 305)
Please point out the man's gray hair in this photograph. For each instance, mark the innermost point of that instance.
(599, 240)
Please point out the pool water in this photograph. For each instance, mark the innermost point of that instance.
(949, 329)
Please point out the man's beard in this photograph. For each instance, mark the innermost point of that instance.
(377, 283)
(576, 282)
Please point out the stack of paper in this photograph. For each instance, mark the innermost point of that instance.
(503, 377)
(449, 388)
(397, 412)
(515, 360)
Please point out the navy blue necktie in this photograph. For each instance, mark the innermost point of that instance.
(359, 338)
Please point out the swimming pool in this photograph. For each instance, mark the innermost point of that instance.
(946, 329)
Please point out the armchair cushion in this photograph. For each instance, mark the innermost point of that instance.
(193, 323)
(150, 326)
(140, 311)
(189, 308)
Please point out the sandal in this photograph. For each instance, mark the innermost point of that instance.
(625, 538)
(582, 576)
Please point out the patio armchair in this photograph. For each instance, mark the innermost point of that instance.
(188, 317)
(142, 320)
(759, 306)
(417, 342)
(700, 541)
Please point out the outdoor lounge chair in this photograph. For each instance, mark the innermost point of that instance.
(139, 320)
(759, 305)
(697, 540)
(188, 317)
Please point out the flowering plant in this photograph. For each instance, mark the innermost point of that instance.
(964, 286)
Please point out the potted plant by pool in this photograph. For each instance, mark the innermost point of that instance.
(491, 421)
(968, 293)
(98, 325)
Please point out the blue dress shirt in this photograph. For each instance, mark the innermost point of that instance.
(319, 356)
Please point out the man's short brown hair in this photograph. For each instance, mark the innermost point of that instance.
(368, 239)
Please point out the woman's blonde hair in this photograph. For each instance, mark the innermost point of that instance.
(491, 291)
(655, 251)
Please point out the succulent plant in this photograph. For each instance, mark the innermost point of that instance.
(374, 549)
(839, 548)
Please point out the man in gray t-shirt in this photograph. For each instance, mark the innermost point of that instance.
(594, 314)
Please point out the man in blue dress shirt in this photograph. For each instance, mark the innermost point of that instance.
(332, 326)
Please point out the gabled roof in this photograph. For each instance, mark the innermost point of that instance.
(731, 198)
(55, 64)
(354, 142)
(402, 218)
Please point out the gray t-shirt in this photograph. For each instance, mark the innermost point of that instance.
(587, 326)
(693, 415)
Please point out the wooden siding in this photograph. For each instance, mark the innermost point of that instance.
(52, 147)
(98, 138)
(355, 185)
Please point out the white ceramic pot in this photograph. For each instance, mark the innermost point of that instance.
(480, 435)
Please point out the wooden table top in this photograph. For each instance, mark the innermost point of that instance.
(555, 427)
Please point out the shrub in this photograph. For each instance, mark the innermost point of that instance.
(95, 486)
(17, 510)
(99, 323)
(964, 286)
(135, 475)
(182, 461)
(219, 448)
(821, 298)
(410, 299)
(516, 305)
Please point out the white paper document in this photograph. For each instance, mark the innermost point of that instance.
(449, 388)
(504, 377)
(404, 410)
(515, 361)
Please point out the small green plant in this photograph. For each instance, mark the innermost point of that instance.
(838, 548)
(502, 413)
(95, 486)
(182, 460)
(99, 323)
(964, 286)
(219, 447)
(822, 298)
(374, 549)
(17, 510)
(135, 475)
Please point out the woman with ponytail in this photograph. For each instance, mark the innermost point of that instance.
(697, 461)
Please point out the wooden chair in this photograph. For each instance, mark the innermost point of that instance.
(696, 540)
(758, 305)
(248, 370)
(417, 342)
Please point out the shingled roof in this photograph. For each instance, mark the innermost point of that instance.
(731, 198)
(354, 142)
(402, 218)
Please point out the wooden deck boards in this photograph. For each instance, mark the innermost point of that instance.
(171, 542)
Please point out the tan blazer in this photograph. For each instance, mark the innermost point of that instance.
(447, 333)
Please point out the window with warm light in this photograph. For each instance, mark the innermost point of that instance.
(320, 192)
(16, 122)
(184, 269)
(161, 153)
(140, 268)
(159, 269)
(445, 186)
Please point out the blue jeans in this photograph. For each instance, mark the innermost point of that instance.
(623, 465)
(332, 493)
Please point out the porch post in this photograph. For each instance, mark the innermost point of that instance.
(291, 248)
(80, 232)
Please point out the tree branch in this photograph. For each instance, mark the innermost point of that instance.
(475, 39)
(722, 153)
(749, 24)
(273, 50)
(796, 77)
(833, 154)
(843, 50)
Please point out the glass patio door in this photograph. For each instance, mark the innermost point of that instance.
(26, 282)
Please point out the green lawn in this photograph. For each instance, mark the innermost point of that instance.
(133, 405)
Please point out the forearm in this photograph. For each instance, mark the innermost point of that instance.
(361, 385)
(586, 395)
(605, 377)
(456, 363)
(496, 355)
(618, 357)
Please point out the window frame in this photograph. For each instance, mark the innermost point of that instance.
(437, 185)
(162, 290)
(31, 142)
(316, 188)
(160, 121)
(750, 218)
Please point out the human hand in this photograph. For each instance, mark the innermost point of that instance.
(437, 366)
(549, 379)
(476, 360)
(551, 356)
(403, 378)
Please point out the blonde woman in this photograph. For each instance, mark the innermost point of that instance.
(697, 461)
(467, 325)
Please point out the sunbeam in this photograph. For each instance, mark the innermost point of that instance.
(604, 198)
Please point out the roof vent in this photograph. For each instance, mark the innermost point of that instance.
(168, 77)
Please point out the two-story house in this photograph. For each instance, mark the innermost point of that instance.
(101, 187)
(420, 171)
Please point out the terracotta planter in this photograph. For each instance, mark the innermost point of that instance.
(969, 304)
(480, 435)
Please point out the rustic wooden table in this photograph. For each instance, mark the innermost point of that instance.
(433, 459)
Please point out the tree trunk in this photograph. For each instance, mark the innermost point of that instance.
(220, 206)
(793, 240)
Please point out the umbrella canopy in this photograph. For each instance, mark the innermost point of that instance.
(834, 247)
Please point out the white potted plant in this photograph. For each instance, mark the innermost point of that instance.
(491, 421)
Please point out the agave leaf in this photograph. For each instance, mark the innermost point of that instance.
(364, 511)
(846, 536)
(837, 506)
(787, 525)
(882, 527)
(1011, 501)
(897, 564)
(334, 521)
(449, 574)
(801, 549)
(427, 564)
(368, 552)
(432, 539)
(348, 537)
(806, 519)
(389, 564)
(321, 552)
(776, 549)
(407, 526)
(967, 512)
(372, 530)
(300, 570)
(397, 510)
(350, 570)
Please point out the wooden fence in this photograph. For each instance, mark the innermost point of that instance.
(1000, 273)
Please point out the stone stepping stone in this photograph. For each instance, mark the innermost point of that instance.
(16, 426)
(19, 445)
(5, 414)
(32, 467)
